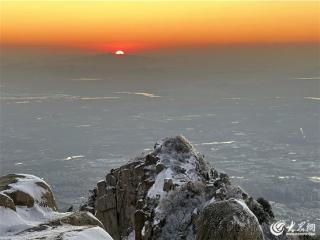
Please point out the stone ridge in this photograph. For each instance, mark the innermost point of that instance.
(162, 194)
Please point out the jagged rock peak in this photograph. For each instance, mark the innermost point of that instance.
(179, 154)
(162, 194)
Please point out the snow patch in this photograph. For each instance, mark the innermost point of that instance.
(157, 187)
(28, 184)
(96, 233)
(73, 157)
(14, 225)
(12, 222)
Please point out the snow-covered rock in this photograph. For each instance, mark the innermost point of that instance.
(231, 215)
(28, 210)
(162, 194)
(27, 190)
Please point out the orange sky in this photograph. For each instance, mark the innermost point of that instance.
(132, 25)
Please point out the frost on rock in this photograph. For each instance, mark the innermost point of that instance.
(95, 233)
(231, 214)
(161, 194)
(181, 163)
(28, 211)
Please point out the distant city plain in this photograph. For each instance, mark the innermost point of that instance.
(252, 111)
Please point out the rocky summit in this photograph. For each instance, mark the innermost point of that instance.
(171, 192)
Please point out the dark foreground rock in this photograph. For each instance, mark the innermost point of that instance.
(173, 193)
(28, 210)
(231, 215)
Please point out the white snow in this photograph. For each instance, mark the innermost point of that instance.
(131, 235)
(143, 231)
(212, 200)
(246, 208)
(145, 94)
(216, 143)
(177, 178)
(314, 179)
(14, 222)
(243, 204)
(171, 158)
(73, 157)
(96, 233)
(67, 232)
(313, 98)
(28, 185)
(11, 222)
(157, 187)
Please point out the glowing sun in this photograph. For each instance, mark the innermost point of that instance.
(119, 52)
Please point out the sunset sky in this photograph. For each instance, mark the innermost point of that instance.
(136, 26)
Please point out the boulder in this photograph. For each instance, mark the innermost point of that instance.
(29, 211)
(26, 190)
(228, 219)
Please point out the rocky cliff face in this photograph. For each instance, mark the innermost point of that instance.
(28, 210)
(173, 193)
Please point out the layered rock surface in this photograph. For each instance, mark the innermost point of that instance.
(173, 193)
(28, 210)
